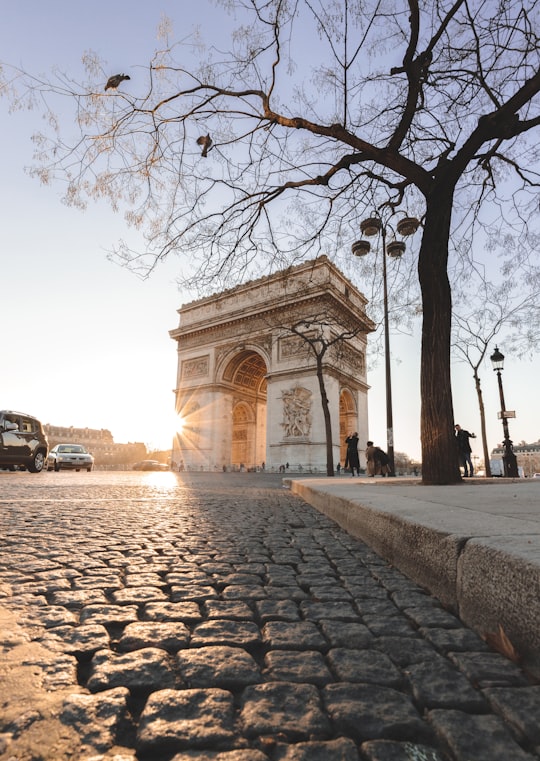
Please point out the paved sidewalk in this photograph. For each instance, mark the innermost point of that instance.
(476, 546)
(218, 617)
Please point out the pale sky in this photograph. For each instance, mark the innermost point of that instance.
(85, 342)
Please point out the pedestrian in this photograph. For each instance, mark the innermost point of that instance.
(378, 462)
(464, 450)
(338, 468)
(352, 453)
(384, 460)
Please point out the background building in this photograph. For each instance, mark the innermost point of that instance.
(527, 455)
(99, 442)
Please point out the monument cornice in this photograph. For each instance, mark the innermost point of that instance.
(265, 318)
(293, 272)
(315, 281)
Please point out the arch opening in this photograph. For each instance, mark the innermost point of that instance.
(247, 375)
(348, 420)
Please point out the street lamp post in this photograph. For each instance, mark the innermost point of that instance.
(395, 248)
(509, 458)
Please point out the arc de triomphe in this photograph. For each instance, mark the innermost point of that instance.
(247, 390)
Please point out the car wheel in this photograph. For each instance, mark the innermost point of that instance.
(36, 466)
(77, 470)
(88, 470)
(56, 467)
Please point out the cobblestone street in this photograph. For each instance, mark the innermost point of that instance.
(218, 617)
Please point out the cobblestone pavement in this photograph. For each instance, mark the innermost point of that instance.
(220, 618)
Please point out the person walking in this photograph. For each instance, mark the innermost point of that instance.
(353, 459)
(464, 450)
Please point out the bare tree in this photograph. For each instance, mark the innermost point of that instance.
(484, 311)
(326, 340)
(322, 110)
(406, 464)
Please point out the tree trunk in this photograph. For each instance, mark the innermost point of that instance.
(482, 423)
(439, 453)
(327, 419)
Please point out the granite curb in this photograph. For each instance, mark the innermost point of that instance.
(475, 546)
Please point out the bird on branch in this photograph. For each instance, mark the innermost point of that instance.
(115, 80)
(205, 141)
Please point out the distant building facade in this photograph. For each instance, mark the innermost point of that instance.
(99, 442)
(247, 391)
(527, 455)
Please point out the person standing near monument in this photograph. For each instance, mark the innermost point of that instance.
(353, 459)
(464, 450)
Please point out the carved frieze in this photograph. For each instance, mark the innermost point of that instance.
(293, 346)
(352, 359)
(198, 367)
(297, 403)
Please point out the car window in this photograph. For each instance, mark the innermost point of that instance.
(27, 425)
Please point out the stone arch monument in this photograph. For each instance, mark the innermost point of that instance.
(247, 391)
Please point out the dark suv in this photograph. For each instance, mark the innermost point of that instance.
(22, 442)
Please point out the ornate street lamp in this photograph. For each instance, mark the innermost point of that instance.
(371, 226)
(509, 458)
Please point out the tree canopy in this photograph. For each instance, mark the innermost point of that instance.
(316, 114)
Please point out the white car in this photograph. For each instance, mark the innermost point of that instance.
(70, 457)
